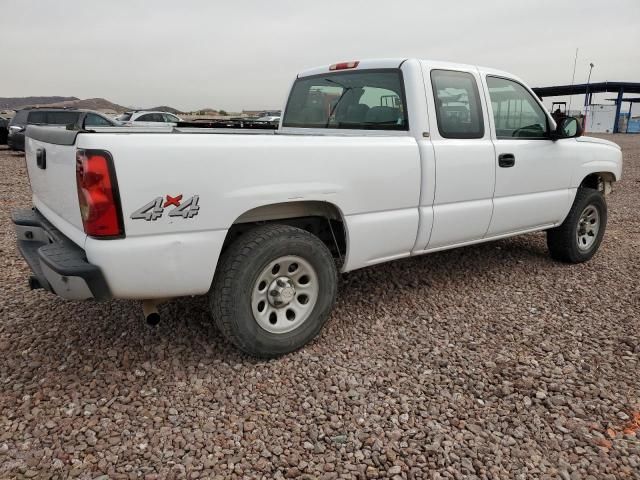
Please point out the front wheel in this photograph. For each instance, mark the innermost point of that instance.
(578, 238)
(273, 290)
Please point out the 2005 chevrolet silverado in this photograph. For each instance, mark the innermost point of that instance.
(373, 161)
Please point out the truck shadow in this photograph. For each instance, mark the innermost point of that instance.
(517, 254)
(110, 341)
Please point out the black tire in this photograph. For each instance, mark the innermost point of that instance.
(238, 271)
(563, 241)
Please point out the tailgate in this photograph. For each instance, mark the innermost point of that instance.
(51, 164)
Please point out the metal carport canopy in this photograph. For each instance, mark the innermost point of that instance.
(583, 88)
(589, 89)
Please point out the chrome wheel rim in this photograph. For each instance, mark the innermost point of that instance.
(588, 227)
(284, 294)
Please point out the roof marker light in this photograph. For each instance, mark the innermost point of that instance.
(344, 65)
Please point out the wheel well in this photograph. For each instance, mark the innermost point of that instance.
(597, 180)
(322, 219)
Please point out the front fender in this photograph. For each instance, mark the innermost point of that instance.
(597, 157)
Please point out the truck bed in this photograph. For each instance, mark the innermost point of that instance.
(227, 173)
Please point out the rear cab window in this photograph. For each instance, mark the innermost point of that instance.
(457, 101)
(360, 100)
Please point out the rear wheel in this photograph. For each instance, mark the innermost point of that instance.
(273, 290)
(580, 235)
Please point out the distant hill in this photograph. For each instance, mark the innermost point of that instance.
(15, 103)
(73, 102)
(91, 104)
(164, 108)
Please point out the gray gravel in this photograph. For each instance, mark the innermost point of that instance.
(486, 362)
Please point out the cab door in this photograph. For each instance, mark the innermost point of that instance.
(464, 156)
(533, 172)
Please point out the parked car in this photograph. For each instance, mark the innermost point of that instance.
(148, 118)
(273, 119)
(60, 117)
(229, 123)
(4, 130)
(262, 221)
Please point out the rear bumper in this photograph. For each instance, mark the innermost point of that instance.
(58, 264)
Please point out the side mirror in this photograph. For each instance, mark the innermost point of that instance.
(568, 127)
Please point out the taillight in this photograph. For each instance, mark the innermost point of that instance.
(98, 194)
(344, 65)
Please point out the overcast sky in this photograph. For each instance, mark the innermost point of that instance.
(243, 54)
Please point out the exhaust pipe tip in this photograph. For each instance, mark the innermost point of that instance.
(150, 312)
(153, 319)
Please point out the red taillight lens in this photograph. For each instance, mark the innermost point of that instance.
(344, 65)
(98, 194)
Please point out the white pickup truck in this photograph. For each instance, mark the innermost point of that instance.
(373, 161)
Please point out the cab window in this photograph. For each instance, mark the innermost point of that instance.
(366, 100)
(458, 108)
(516, 113)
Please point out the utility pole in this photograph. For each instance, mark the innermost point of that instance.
(586, 97)
(573, 78)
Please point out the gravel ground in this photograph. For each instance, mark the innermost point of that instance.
(484, 362)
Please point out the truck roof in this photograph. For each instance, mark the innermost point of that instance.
(373, 63)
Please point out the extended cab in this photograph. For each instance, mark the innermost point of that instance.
(373, 161)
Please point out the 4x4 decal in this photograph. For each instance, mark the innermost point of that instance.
(156, 207)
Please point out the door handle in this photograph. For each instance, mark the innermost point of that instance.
(506, 160)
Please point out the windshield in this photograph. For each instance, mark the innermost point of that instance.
(367, 99)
